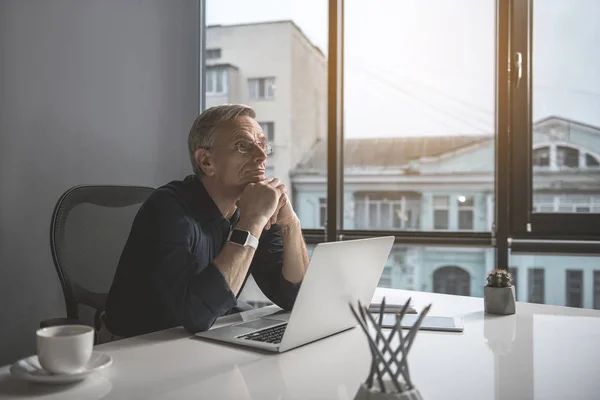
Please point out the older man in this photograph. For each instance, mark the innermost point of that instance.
(194, 242)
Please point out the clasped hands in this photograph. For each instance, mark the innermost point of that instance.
(267, 201)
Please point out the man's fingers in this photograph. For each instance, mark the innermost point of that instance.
(281, 190)
(274, 182)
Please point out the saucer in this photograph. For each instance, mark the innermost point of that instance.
(29, 369)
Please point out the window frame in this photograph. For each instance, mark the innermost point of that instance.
(216, 51)
(447, 207)
(335, 140)
(531, 282)
(528, 227)
(254, 84)
(596, 289)
(460, 206)
(570, 276)
(214, 73)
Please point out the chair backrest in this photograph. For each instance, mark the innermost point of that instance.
(89, 228)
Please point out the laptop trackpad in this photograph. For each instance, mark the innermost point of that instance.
(258, 324)
(283, 316)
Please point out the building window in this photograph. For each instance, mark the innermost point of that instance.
(574, 288)
(261, 88)
(566, 203)
(536, 285)
(541, 157)
(387, 210)
(216, 80)
(591, 161)
(212, 54)
(567, 157)
(597, 290)
(452, 280)
(268, 130)
(322, 212)
(466, 211)
(515, 277)
(441, 212)
(559, 157)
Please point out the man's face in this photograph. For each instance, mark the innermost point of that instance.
(238, 154)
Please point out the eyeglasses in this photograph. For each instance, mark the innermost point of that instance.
(247, 146)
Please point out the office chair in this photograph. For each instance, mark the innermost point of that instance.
(89, 228)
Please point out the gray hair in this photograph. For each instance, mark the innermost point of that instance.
(205, 128)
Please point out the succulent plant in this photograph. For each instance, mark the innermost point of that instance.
(499, 278)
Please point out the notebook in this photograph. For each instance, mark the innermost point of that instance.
(391, 308)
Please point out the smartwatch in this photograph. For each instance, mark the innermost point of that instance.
(242, 238)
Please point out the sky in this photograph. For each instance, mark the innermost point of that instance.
(426, 67)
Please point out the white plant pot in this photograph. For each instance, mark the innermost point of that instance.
(364, 393)
(499, 301)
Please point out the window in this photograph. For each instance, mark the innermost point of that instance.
(441, 213)
(536, 285)
(567, 157)
(574, 288)
(216, 80)
(541, 157)
(597, 290)
(212, 54)
(442, 138)
(566, 203)
(246, 54)
(268, 130)
(387, 210)
(559, 157)
(591, 161)
(261, 88)
(565, 283)
(466, 209)
(556, 124)
(452, 280)
(322, 212)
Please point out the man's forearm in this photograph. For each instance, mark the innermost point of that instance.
(295, 256)
(233, 261)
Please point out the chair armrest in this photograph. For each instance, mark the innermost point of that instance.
(60, 321)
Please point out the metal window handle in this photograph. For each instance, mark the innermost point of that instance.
(519, 67)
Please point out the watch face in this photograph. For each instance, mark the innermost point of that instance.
(238, 236)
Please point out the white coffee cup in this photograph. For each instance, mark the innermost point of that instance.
(65, 349)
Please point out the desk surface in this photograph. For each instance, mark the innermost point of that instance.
(542, 352)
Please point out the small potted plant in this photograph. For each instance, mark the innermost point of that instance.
(499, 294)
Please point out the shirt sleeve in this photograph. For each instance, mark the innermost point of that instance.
(266, 268)
(195, 294)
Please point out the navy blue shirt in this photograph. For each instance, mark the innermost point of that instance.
(166, 276)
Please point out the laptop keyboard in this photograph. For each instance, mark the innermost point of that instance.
(273, 334)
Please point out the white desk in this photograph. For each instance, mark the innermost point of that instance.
(543, 352)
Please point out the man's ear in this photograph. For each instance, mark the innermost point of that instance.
(204, 161)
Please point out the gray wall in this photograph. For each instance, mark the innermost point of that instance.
(91, 91)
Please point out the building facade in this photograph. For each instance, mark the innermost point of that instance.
(276, 70)
(447, 184)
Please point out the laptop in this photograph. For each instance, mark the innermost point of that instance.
(339, 274)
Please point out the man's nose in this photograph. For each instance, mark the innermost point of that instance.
(259, 153)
